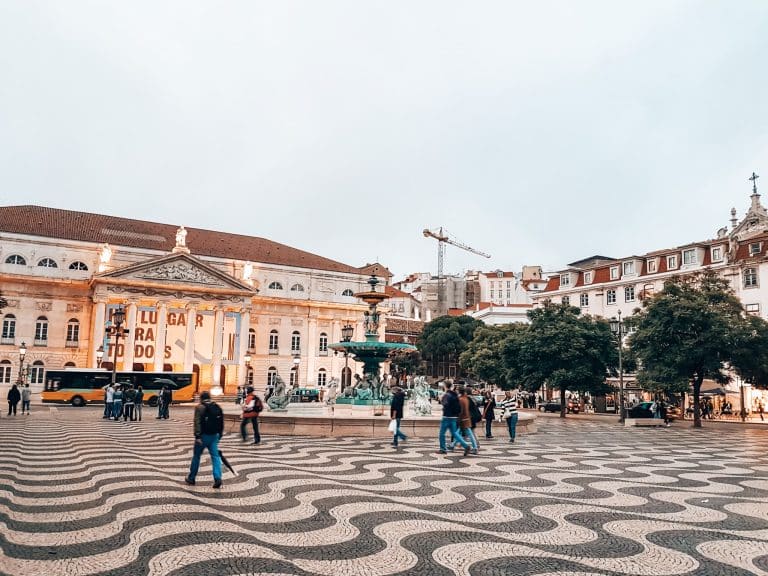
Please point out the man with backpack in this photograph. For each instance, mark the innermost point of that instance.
(208, 427)
(252, 407)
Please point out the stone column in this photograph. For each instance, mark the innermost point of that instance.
(97, 334)
(162, 320)
(312, 350)
(218, 334)
(245, 324)
(130, 338)
(189, 341)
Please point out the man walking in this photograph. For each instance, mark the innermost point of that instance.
(252, 407)
(109, 395)
(465, 418)
(13, 399)
(26, 397)
(451, 411)
(208, 428)
(396, 413)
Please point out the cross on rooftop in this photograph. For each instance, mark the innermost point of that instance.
(754, 178)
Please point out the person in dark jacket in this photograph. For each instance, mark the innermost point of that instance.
(208, 427)
(14, 397)
(139, 401)
(167, 399)
(451, 411)
(489, 415)
(252, 407)
(396, 413)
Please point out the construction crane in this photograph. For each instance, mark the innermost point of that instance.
(441, 235)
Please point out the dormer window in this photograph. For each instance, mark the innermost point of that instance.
(717, 254)
(614, 272)
(754, 248)
(565, 279)
(689, 257)
(499, 274)
(587, 277)
(672, 262)
(628, 268)
(651, 266)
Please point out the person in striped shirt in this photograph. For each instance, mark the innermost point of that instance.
(508, 408)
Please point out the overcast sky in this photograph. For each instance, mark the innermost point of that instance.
(541, 132)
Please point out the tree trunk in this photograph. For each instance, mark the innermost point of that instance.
(697, 380)
(562, 403)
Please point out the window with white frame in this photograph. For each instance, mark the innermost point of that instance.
(587, 277)
(753, 309)
(73, 332)
(750, 277)
(322, 377)
(323, 344)
(297, 288)
(492, 293)
(610, 296)
(294, 377)
(273, 342)
(717, 254)
(672, 262)
(271, 376)
(565, 279)
(689, 257)
(16, 259)
(9, 328)
(614, 272)
(295, 342)
(41, 331)
(584, 300)
(629, 268)
(509, 284)
(347, 292)
(566, 300)
(629, 293)
(651, 266)
(37, 372)
(78, 266)
(509, 294)
(5, 372)
(275, 286)
(754, 248)
(251, 339)
(48, 263)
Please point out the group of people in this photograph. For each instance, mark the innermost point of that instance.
(122, 400)
(15, 396)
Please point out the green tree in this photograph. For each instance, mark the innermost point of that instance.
(688, 332)
(447, 336)
(563, 349)
(484, 358)
(750, 358)
(404, 362)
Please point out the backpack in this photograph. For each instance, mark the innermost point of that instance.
(258, 405)
(213, 419)
(474, 411)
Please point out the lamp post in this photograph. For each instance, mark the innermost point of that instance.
(22, 355)
(117, 330)
(99, 356)
(296, 362)
(346, 336)
(617, 327)
(247, 359)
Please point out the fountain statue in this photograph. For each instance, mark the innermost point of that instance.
(280, 397)
(332, 391)
(422, 405)
(371, 389)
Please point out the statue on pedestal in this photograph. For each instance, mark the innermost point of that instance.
(279, 398)
(422, 405)
(332, 391)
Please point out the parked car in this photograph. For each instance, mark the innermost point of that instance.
(305, 395)
(571, 406)
(550, 407)
(643, 410)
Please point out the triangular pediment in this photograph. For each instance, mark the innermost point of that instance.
(178, 270)
(754, 222)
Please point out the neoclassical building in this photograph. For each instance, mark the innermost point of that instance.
(195, 300)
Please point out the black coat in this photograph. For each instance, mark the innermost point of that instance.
(396, 408)
(451, 406)
(14, 395)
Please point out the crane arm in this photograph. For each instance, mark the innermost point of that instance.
(442, 236)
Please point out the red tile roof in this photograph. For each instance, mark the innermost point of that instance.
(98, 228)
(393, 292)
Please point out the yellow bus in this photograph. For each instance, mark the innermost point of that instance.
(80, 387)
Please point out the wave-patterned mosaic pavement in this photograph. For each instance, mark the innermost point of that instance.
(79, 495)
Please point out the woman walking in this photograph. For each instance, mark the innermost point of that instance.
(489, 415)
(509, 408)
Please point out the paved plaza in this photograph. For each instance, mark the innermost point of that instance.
(80, 495)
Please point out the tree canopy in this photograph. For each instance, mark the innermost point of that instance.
(483, 357)
(447, 336)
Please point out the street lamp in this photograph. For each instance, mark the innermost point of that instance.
(346, 336)
(118, 318)
(99, 356)
(617, 327)
(296, 362)
(22, 355)
(247, 359)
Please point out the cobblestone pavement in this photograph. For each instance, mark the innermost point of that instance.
(80, 495)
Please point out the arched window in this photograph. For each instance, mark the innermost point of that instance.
(47, 263)
(251, 339)
(273, 342)
(9, 329)
(41, 331)
(347, 292)
(16, 259)
(750, 277)
(323, 348)
(78, 266)
(295, 342)
(275, 286)
(322, 377)
(73, 333)
(70, 365)
(297, 288)
(294, 377)
(271, 376)
(5, 372)
(37, 372)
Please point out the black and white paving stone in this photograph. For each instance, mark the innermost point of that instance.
(80, 495)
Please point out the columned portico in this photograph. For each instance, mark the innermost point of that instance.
(218, 334)
(162, 325)
(130, 339)
(189, 343)
(245, 323)
(99, 319)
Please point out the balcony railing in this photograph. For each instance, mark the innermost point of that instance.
(323, 353)
(274, 351)
(11, 341)
(40, 342)
(72, 343)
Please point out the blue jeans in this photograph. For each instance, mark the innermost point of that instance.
(211, 443)
(471, 435)
(451, 424)
(117, 409)
(488, 427)
(511, 425)
(398, 434)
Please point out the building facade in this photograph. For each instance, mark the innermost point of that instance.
(195, 300)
